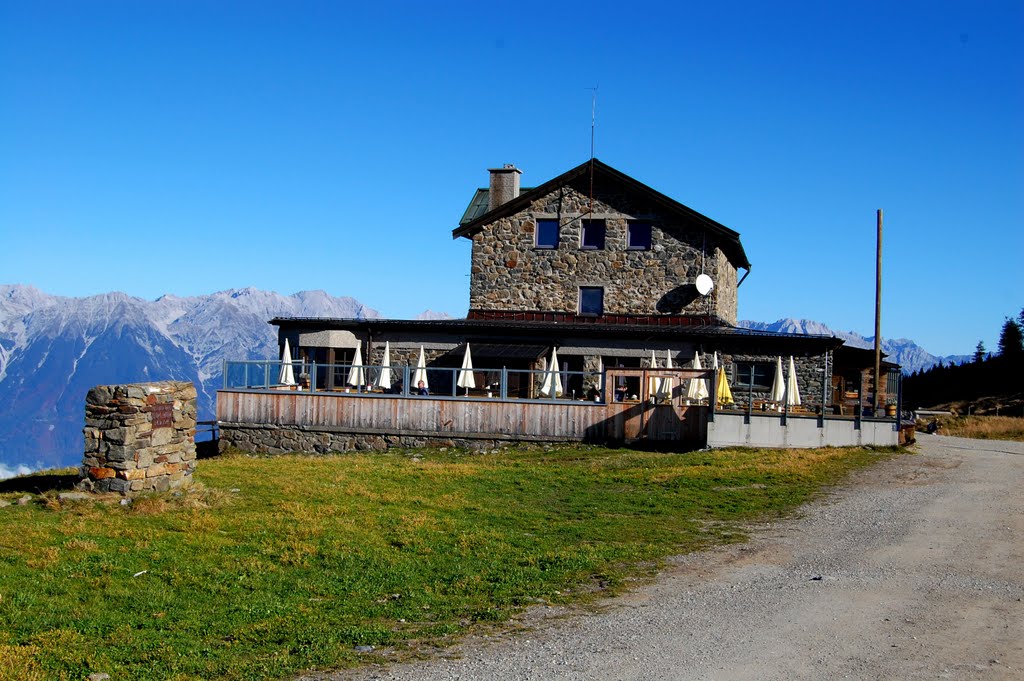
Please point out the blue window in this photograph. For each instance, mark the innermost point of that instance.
(639, 236)
(591, 300)
(592, 237)
(547, 233)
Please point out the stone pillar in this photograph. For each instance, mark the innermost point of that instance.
(139, 437)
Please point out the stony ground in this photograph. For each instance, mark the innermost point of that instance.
(915, 570)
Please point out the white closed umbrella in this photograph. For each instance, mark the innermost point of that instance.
(356, 376)
(466, 379)
(666, 384)
(653, 384)
(384, 377)
(552, 386)
(421, 371)
(287, 375)
(792, 389)
(698, 388)
(778, 384)
(600, 373)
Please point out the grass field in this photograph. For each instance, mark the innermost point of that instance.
(270, 566)
(983, 427)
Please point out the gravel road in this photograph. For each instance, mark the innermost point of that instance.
(913, 570)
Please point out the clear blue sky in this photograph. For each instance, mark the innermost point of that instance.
(187, 147)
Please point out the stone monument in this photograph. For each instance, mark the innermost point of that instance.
(139, 437)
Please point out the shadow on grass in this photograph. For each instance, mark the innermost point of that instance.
(42, 482)
(207, 449)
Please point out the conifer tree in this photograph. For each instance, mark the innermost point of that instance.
(1011, 341)
(979, 352)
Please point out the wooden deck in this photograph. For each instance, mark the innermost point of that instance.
(561, 420)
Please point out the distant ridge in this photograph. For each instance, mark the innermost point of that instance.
(433, 316)
(905, 352)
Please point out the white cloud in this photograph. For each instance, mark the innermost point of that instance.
(8, 472)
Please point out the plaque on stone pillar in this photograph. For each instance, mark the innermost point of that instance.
(162, 415)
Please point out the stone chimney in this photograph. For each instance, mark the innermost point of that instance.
(504, 185)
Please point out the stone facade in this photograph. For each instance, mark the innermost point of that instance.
(139, 437)
(510, 273)
(811, 377)
(280, 439)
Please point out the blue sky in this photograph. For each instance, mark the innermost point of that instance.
(187, 147)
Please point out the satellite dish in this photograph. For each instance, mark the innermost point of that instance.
(704, 284)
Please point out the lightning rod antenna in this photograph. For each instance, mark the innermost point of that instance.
(593, 119)
(593, 125)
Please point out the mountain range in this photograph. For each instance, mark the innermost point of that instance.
(53, 349)
(903, 351)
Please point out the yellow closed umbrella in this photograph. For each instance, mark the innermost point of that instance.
(723, 394)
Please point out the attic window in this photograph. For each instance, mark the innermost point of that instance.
(547, 234)
(592, 235)
(638, 237)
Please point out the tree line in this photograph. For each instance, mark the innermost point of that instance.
(986, 375)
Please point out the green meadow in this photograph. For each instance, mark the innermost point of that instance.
(270, 566)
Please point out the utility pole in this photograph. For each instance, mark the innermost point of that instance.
(878, 313)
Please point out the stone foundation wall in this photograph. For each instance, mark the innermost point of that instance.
(274, 439)
(139, 437)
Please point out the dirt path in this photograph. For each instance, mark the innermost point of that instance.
(913, 571)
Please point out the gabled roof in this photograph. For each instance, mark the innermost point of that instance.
(477, 216)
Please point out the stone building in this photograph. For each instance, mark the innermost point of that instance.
(594, 242)
(595, 263)
(628, 285)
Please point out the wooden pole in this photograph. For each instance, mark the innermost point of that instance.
(878, 313)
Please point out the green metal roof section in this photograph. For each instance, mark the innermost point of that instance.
(478, 204)
(477, 215)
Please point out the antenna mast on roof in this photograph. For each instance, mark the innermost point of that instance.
(593, 125)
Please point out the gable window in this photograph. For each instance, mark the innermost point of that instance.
(547, 233)
(592, 235)
(763, 374)
(591, 300)
(638, 236)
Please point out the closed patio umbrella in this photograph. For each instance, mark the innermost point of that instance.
(653, 384)
(356, 376)
(792, 389)
(384, 377)
(724, 394)
(698, 388)
(552, 386)
(466, 379)
(421, 372)
(666, 385)
(778, 385)
(287, 375)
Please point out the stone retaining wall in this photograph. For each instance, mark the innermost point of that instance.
(139, 437)
(280, 439)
